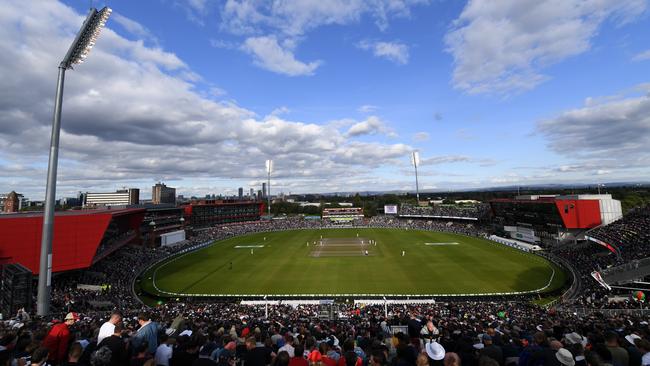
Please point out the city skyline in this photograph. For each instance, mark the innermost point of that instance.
(199, 94)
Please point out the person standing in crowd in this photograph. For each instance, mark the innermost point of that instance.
(58, 339)
(491, 350)
(288, 345)
(74, 355)
(620, 357)
(298, 359)
(256, 356)
(451, 359)
(565, 357)
(115, 343)
(148, 332)
(164, 352)
(40, 357)
(141, 355)
(644, 347)
(108, 328)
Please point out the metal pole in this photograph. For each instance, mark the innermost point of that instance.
(45, 268)
(386, 308)
(417, 189)
(268, 195)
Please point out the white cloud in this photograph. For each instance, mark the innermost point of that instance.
(269, 55)
(220, 43)
(131, 116)
(296, 17)
(198, 5)
(445, 159)
(396, 52)
(613, 127)
(367, 108)
(134, 27)
(421, 136)
(642, 56)
(280, 111)
(373, 125)
(612, 135)
(285, 23)
(503, 46)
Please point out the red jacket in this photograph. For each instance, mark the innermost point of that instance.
(57, 342)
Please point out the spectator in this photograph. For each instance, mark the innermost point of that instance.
(58, 339)
(299, 358)
(74, 355)
(108, 328)
(40, 357)
(620, 356)
(256, 356)
(116, 344)
(565, 357)
(490, 350)
(164, 352)
(148, 331)
(101, 357)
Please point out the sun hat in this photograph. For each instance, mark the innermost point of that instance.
(574, 338)
(630, 338)
(565, 357)
(72, 316)
(435, 351)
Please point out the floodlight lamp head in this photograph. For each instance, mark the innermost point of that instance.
(86, 38)
(415, 158)
(269, 166)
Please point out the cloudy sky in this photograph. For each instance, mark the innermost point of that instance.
(198, 93)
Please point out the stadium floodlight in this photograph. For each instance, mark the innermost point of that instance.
(269, 169)
(77, 53)
(415, 160)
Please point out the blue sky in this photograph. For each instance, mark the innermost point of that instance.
(199, 93)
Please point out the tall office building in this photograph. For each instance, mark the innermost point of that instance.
(241, 193)
(252, 194)
(160, 193)
(264, 190)
(121, 197)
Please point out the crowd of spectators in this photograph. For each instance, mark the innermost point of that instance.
(630, 235)
(460, 333)
(478, 211)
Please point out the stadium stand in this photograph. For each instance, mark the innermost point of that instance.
(629, 235)
(479, 211)
(583, 330)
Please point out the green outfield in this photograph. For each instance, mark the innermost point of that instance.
(347, 262)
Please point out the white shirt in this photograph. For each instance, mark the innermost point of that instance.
(645, 360)
(105, 331)
(287, 347)
(163, 354)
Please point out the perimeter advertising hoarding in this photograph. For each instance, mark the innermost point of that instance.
(390, 209)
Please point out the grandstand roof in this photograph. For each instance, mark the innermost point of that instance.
(76, 239)
(101, 211)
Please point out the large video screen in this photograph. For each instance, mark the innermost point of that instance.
(390, 209)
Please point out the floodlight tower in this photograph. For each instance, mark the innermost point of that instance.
(269, 169)
(77, 53)
(415, 160)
